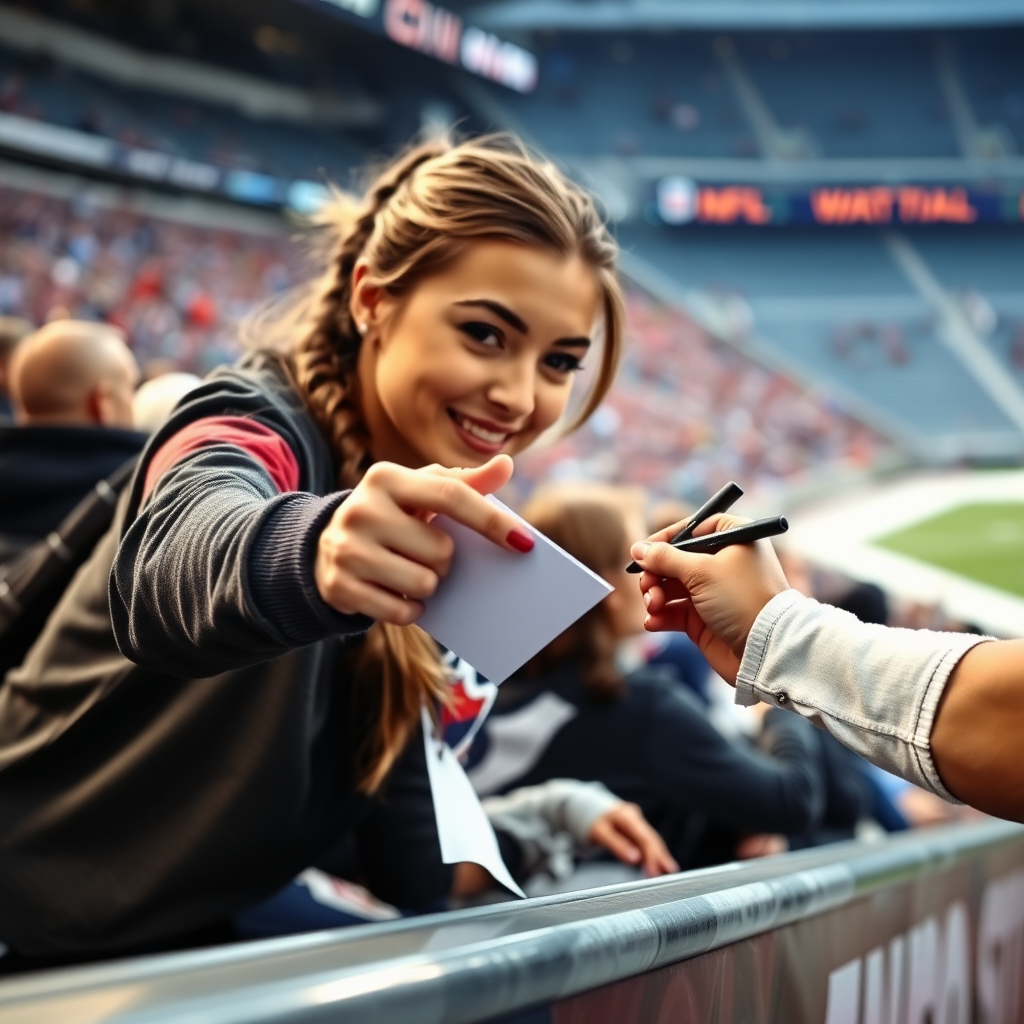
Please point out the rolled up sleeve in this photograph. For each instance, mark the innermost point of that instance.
(876, 689)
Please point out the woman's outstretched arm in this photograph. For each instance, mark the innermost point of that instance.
(216, 570)
(944, 710)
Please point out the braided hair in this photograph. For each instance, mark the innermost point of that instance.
(417, 215)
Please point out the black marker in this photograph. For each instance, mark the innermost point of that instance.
(712, 542)
(722, 501)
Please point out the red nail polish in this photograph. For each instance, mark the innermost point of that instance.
(520, 541)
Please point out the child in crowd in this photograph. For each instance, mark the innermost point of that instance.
(570, 712)
(233, 682)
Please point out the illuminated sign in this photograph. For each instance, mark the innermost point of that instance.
(682, 201)
(439, 33)
(420, 25)
(881, 204)
(679, 200)
(734, 204)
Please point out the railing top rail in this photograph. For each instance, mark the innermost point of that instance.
(469, 965)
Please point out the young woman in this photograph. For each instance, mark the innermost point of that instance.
(646, 738)
(205, 712)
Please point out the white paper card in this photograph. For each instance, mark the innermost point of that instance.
(462, 827)
(496, 609)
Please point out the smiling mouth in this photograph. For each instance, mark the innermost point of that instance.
(485, 434)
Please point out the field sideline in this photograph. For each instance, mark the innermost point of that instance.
(951, 539)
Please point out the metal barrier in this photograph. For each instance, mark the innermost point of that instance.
(925, 926)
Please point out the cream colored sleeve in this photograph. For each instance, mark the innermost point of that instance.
(875, 689)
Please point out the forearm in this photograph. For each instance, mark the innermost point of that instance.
(977, 734)
(875, 689)
(216, 570)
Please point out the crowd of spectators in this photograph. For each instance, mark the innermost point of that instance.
(689, 413)
(177, 290)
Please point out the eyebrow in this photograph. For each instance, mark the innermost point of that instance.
(518, 323)
(499, 310)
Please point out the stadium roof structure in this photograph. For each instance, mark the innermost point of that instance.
(624, 15)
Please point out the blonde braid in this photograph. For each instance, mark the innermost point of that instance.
(399, 666)
(325, 361)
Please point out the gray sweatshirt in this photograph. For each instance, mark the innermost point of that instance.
(874, 688)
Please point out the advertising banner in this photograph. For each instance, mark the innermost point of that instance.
(682, 201)
(945, 947)
(439, 33)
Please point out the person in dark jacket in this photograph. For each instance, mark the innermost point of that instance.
(232, 684)
(647, 739)
(72, 384)
(13, 331)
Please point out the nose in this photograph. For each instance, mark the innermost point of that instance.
(514, 389)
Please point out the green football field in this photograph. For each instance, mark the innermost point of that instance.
(984, 542)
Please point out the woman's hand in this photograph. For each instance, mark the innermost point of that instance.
(379, 555)
(714, 599)
(626, 833)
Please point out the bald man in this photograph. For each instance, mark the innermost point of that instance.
(71, 384)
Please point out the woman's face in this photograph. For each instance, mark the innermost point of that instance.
(477, 359)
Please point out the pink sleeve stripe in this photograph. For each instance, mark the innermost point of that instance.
(269, 449)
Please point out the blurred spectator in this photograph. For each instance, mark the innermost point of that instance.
(569, 713)
(156, 398)
(868, 602)
(12, 330)
(72, 383)
(74, 373)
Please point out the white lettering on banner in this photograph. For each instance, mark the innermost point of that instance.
(923, 977)
(1001, 950)
(193, 174)
(490, 57)
(147, 163)
(843, 993)
(421, 25)
(434, 30)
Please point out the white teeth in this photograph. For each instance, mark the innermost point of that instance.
(488, 436)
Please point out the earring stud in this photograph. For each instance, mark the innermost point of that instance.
(362, 328)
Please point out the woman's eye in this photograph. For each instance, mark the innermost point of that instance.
(485, 334)
(563, 362)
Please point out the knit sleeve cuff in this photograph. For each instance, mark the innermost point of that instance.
(281, 575)
(757, 645)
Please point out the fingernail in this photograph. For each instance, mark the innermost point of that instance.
(520, 541)
(639, 551)
(647, 600)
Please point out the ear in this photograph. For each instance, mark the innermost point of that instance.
(364, 305)
(99, 404)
